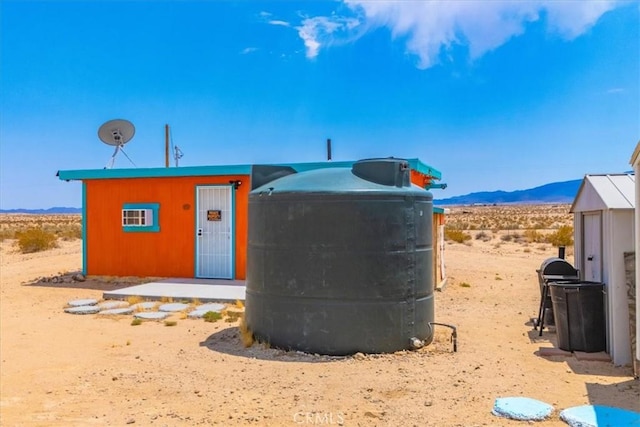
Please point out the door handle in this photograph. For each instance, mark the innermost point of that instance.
(199, 232)
(590, 258)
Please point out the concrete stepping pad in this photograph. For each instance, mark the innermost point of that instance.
(82, 302)
(83, 309)
(521, 408)
(198, 314)
(173, 307)
(147, 305)
(151, 315)
(599, 416)
(214, 306)
(108, 305)
(116, 311)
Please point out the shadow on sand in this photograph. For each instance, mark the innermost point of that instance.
(105, 284)
(228, 341)
(610, 394)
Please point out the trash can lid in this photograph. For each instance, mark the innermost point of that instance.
(575, 283)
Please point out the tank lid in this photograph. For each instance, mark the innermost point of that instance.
(386, 171)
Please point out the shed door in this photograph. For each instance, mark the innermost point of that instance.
(214, 232)
(592, 246)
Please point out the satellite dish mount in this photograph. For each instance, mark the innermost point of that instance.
(116, 133)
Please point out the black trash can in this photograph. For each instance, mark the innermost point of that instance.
(578, 308)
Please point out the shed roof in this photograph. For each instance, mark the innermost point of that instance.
(83, 174)
(603, 192)
(635, 157)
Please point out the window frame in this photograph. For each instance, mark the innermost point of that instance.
(151, 212)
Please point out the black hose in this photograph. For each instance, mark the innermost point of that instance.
(454, 334)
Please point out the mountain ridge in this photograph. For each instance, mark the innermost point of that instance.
(555, 192)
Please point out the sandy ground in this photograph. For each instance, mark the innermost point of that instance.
(63, 370)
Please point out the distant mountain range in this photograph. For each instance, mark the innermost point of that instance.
(556, 192)
(51, 211)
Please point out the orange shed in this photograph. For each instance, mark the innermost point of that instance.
(179, 222)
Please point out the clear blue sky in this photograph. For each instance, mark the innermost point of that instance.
(495, 95)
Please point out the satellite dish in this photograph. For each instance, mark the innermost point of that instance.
(116, 133)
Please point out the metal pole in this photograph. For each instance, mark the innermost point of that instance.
(166, 146)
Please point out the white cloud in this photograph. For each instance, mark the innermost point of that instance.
(615, 90)
(428, 28)
(571, 19)
(324, 31)
(278, 22)
(247, 50)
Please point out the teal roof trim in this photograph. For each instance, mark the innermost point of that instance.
(438, 210)
(417, 165)
(75, 175)
(221, 170)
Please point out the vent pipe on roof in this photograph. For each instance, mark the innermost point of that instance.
(166, 146)
(328, 149)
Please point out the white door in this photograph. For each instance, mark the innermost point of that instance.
(592, 246)
(214, 232)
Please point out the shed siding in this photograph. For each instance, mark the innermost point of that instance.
(167, 253)
(588, 199)
(636, 168)
(612, 197)
(617, 241)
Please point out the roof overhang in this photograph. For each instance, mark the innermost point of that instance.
(635, 157)
(220, 170)
(605, 192)
(85, 174)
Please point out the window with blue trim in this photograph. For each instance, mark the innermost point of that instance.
(140, 217)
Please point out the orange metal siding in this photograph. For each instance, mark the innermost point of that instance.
(167, 253)
(420, 179)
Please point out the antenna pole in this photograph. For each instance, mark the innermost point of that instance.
(166, 146)
(328, 149)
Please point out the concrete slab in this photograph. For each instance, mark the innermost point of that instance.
(82, 302)
(151, 315)
(205, 290)
(173, 307)
(116, 311)
(83, 309)
(600, 356)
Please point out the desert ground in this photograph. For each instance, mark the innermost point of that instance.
(59, 369)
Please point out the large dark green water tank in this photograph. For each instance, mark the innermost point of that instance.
(340, 260)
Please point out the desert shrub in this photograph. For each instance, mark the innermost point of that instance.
(519, 238)
(7, 234)
(534, 236)
(483, 236)
(212, 316)
(35, 240)
(232, 316)
(70, 232)
(506, 237)
(561, 237)
(246, 335)
(458, 236)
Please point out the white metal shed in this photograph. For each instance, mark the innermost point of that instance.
(635, 162)
(604, 230)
